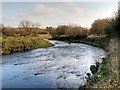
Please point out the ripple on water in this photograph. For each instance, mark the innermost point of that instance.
(63, 65)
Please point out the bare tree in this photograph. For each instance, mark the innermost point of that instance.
(25, 24)
(28, 25)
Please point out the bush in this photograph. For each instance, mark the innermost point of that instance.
(99, 26)
(69, 31)
(108, 26)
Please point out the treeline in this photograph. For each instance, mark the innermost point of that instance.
(10, 31)
(69, 31)
(25, 28)
(99, 28)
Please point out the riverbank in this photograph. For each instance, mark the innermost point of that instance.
(98, 41)
(21, 44)
(107, 75)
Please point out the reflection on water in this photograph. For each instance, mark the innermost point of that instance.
(64, 65)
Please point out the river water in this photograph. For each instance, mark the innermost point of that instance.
(61, 66)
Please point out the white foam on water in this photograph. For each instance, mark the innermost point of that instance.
(61, 66)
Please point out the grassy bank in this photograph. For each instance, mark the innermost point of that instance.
(20, 44)
(108, 74)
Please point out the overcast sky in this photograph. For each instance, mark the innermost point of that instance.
(54, 13)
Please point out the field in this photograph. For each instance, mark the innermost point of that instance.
(18, 44)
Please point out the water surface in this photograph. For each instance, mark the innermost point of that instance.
(63, 65)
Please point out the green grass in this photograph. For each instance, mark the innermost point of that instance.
(42, 44)
(104, 71)
(10, 39)
(21, 44)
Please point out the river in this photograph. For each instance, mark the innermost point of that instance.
(61, 66)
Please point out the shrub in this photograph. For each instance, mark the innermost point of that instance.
(99, 26)
(69, 31)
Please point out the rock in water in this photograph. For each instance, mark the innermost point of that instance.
(88, 74)
(93, 69)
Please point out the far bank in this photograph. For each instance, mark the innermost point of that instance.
(21, 44)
